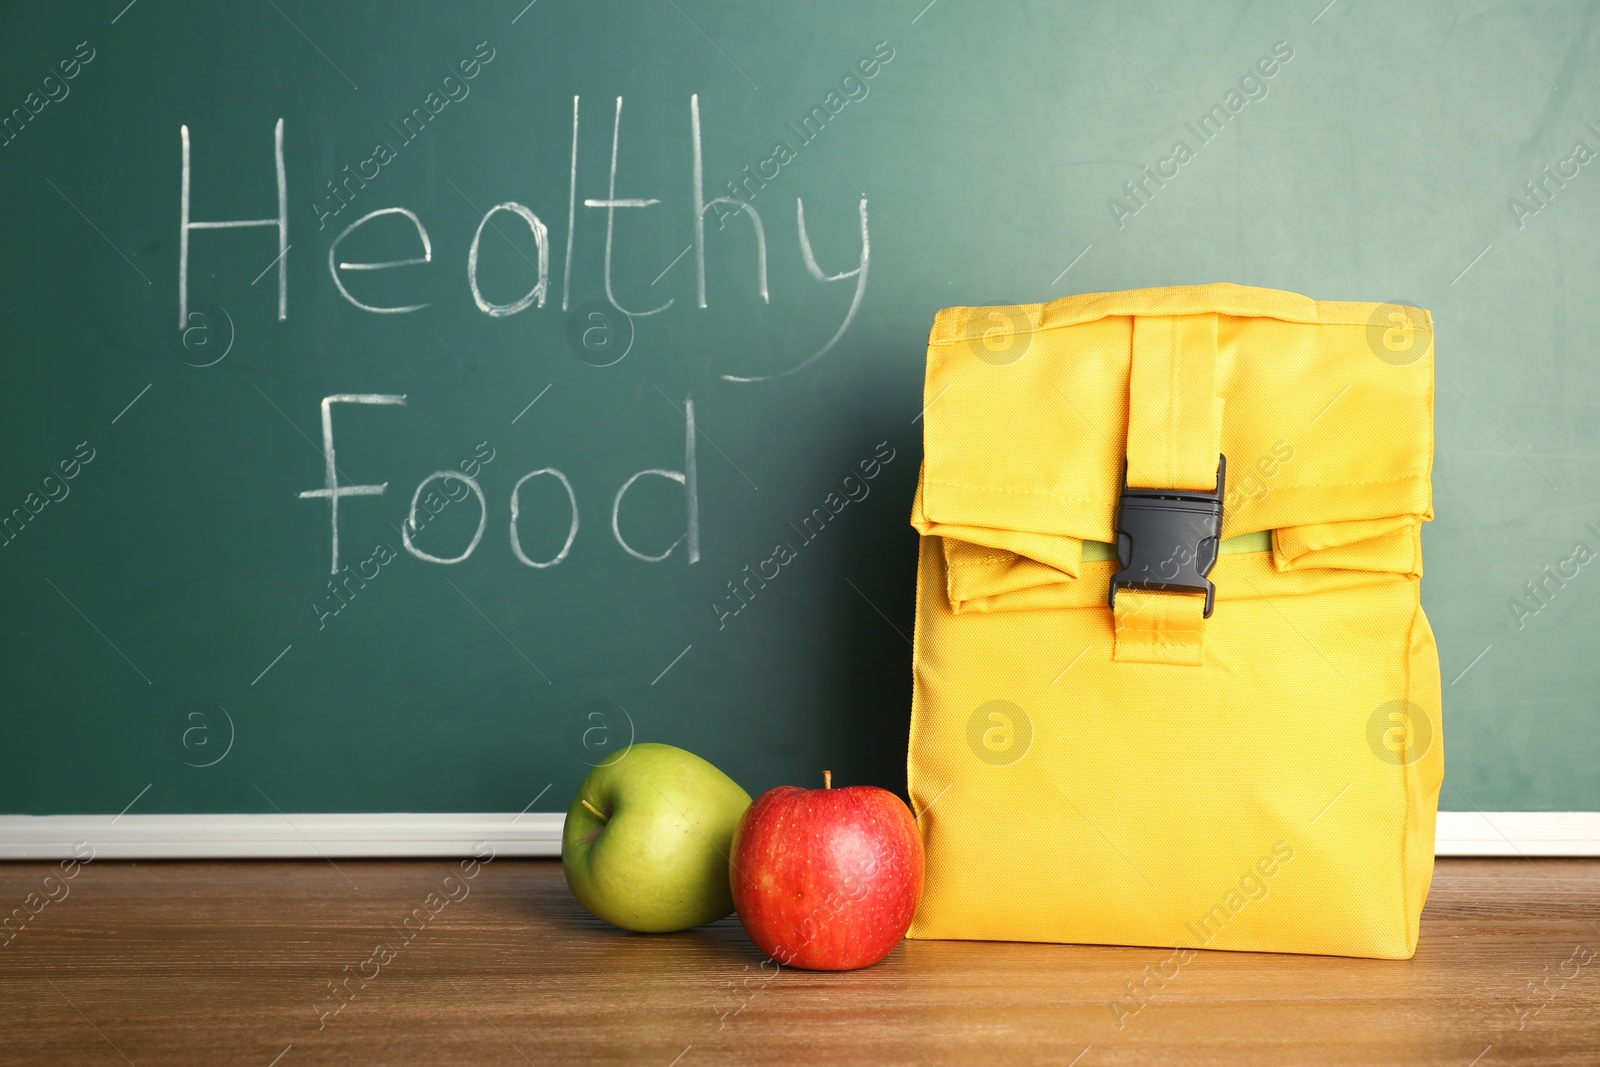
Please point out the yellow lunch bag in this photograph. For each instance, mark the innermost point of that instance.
(1173, 685)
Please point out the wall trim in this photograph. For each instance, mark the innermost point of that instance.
(1514, 833)
(48, 837)
(298, 836)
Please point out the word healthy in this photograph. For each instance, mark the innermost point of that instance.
(344, 273)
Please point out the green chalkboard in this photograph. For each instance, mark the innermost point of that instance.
(449, 209)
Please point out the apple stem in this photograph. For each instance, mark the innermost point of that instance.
(602, 816)
(827, 779)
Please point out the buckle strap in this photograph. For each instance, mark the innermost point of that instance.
(1156, 627)
(1167, 539)
(1169, 514)
(1174, 413)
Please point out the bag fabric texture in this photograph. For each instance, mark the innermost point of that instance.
(1265, 778)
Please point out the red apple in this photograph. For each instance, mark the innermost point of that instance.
(826, 879)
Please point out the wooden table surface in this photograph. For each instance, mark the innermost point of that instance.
(237, 962)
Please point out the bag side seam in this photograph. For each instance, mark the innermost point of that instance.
(1408, 772)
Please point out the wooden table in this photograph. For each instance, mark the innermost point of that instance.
(261, 963)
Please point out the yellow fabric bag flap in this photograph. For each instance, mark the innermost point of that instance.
(1328, 437)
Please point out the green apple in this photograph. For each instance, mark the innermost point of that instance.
(645, 846)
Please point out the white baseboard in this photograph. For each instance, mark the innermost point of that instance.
(139, 837)
(49, 837)
(1516, 833)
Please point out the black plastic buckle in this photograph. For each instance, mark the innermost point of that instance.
(1167, 538)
